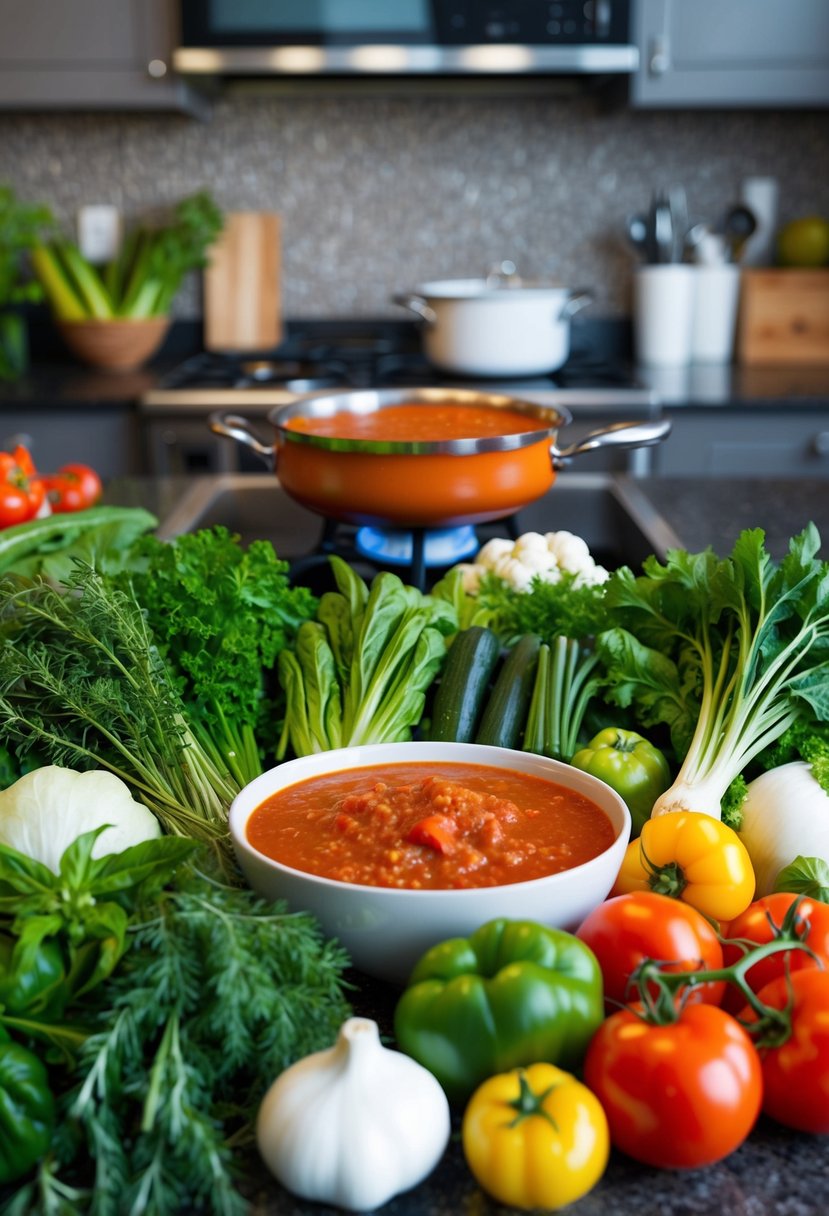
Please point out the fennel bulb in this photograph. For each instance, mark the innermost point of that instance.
(50, 807)
(785, 815)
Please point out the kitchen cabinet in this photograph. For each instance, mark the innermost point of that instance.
(742, 53)
(727, 443)
(91, 55)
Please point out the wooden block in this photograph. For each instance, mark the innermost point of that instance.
(784, 317)
(241, 285)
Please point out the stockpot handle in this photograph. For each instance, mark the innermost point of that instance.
(416, 304)
(619, 435)
(580, 298)
(233, 426)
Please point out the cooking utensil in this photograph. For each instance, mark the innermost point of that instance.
(422, 484)
(737, 225)
(501, 325)
(640, 236)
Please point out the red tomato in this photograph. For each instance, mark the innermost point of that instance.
(754, 925)
(86, 479)
(796, 1074)
(626, 929)
(63, 493)
(676, 1096)
(21, 490)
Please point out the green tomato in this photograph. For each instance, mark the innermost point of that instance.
(630, 765)
(513, 993)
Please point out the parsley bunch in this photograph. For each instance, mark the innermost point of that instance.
(220, 614)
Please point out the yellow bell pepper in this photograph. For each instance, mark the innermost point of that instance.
(535, 1137)
(693, 857)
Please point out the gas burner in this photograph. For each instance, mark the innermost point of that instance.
(440, 546)
(293, 375)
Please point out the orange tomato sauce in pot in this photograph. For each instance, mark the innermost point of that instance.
(418, 423)
(430, 827)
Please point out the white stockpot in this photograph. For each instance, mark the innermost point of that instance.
(495, 326)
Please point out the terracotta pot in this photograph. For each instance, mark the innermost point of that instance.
(119, 345)
(421, 484)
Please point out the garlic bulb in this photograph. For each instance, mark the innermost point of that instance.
(354, 1125)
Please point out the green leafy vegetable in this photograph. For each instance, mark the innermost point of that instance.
(220, 614)
(82, 681)
(729, 653)
(218, 993)
(569, 607)
(100, 536)
(145, 277)
(359, 673)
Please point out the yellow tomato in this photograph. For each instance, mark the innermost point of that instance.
(535, 1137)
(693, 857)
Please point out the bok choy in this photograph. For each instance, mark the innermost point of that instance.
(729, 653)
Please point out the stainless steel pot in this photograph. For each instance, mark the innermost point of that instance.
(500, 325)
(428, 483)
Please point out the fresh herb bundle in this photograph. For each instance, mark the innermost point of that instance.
(218, 992)
(220, 614)
(82, 682)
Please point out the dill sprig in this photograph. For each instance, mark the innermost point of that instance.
(218, 993)
(82, 682)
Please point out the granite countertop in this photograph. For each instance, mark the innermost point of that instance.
(775, 1172)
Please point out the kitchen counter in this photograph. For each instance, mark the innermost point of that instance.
(776, 1172)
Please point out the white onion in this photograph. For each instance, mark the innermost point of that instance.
(785, 815)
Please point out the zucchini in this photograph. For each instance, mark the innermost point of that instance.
(507, 708)
(463, 684)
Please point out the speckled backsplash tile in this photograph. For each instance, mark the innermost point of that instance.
(377, 194)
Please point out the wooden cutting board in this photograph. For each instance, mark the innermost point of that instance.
(784, 317)
(242, 306)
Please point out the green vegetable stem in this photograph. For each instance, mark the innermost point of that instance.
(564, 685)
(145, 277)
(360, 671)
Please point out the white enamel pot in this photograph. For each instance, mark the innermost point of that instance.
(495, 326)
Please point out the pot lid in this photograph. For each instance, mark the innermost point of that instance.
(488, 288)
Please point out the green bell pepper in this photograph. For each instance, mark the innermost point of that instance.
(32, 981)
(630, 765)
(27, 1109)
(513, 993)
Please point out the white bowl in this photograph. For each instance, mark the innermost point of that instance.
(386, 929)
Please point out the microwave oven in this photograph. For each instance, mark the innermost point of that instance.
(306, 38)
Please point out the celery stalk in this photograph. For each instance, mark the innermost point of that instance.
(59, 291)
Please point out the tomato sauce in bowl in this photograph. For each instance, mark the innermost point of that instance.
(421, 826)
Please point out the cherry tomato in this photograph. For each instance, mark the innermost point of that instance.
(86, 479)
(796, 1073)
(21, 490)
(63, 493)
(755, 926)
(626, 929)
(677, 1096)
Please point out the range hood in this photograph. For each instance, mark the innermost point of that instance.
(420, 38)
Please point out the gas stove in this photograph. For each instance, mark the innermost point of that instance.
(307, 363)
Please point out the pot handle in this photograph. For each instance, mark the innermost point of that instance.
(580, 298)
(233, 426)
(619, 435)
(416, 304)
